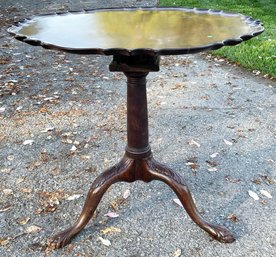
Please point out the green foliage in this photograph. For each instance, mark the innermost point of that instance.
(258, 53)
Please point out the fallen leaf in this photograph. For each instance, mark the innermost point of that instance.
(232, 180)
(212, 163)
(265, 193)
(126, 194)
(267, 179)
(4, 241)
(111, 215)
(233, 218)
(49, 201)
(10, 157)
(110, 230)
(73, 197)
(26, 190)
(19, 180)
(67, 141)
(6, 208)
(38, 211)
(6, 170)
(2, 109)
(179, 86)
(73, 148)
(28, 142)
(85, 157)
(214, 155)
(33, 229)
(116, 203)
(177, 253)
(177, 201)
(253, 195)
(263, 202)
(105, 242)
(256, 181)
(23, 221)
(227, 142)
(7, 191)
(47, 129)
(193, 142)
(212, 169)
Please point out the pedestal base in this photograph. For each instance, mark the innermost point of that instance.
(138, 163)
(130, 170)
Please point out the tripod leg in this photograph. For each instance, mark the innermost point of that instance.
(158, 171)
(119, 172)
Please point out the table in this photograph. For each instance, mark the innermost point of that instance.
(137, 37)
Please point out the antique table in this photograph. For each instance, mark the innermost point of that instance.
(137, 37)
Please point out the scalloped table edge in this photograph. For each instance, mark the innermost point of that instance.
(138, 51)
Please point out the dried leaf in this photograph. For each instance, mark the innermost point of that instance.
(177, 253)
(85, 157)
(193, 142)
(212, 163)
(233, 218)
(26, 190)
(253, 195)
(110, 230)
(7, 191)
(192, 165)
(179, 86)
(24, 221)
(38, 211)
(47, 129)
(267, 179)
(212, 169)
(28, 142)
(214, 155)
(116, 203)
(4, 241)
(111, 215)
(232, 180)
(73, 197)
(19, 180)
(49, 201)
(33, 229)
(105, 242)
(73, 148)
(227, 142)
(256, 181)
(126, 194)
(10, 157)
(177, 201)
(6, 170)
(263, 202)
(265, 193)
(6, 208)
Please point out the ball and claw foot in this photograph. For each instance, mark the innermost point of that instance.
(61, 239)
(221, 234)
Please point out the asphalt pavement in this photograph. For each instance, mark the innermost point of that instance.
(63, 121)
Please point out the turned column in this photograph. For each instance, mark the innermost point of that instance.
(137, 115)
(136, 69)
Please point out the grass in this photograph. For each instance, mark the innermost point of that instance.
(258, 53)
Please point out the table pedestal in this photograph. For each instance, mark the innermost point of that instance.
(138, 162)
